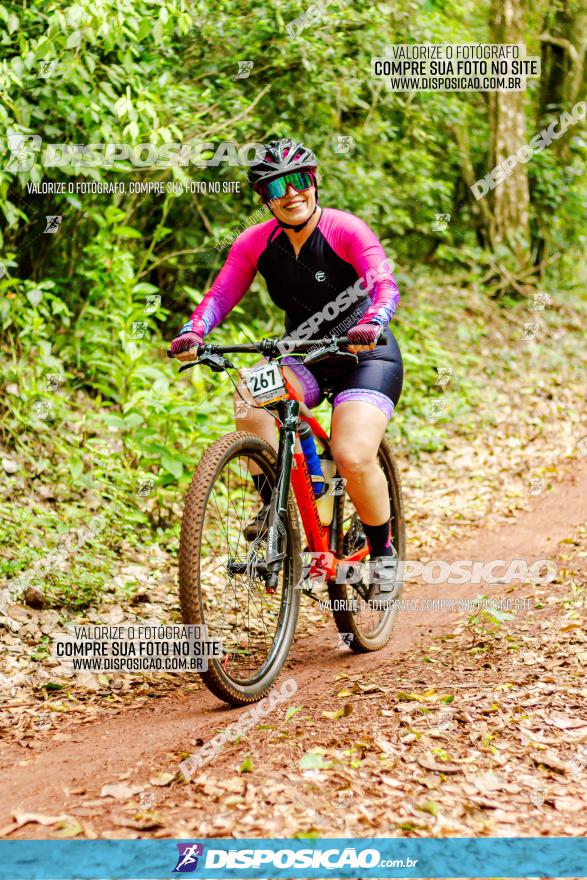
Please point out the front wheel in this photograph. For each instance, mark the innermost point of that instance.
(364, 628)
(220, 572)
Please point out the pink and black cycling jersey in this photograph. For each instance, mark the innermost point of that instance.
(340, 278)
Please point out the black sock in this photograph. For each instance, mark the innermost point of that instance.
(262, 486)
(379, 540)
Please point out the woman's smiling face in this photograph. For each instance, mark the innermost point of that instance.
(294, 207)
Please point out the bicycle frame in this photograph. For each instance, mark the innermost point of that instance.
(291, 467)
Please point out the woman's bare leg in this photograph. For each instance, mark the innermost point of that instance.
(357, 431)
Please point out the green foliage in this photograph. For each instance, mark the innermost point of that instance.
(486, 623)
(89, 401)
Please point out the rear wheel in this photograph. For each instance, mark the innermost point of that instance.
(220, 584)
(365, 628)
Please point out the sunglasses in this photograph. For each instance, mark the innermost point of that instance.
(276, 189)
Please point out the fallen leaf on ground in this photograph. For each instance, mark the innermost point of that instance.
(70, 827)
(528, 736)
(429, 807)
(568, 804)
(8, 829)
(391, 781)
(490, 782)
(438, 767)
(293, 710)
(246, 766)
(314, 761)
(486, 803)
(120, 791)
(38, 819)
(564, 722)
(346, 710)
(372, 689)
(552, 761)
(88, 681)
(147, 822)
(162, 778)
(384, 745)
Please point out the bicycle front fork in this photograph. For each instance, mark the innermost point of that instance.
(288, 412)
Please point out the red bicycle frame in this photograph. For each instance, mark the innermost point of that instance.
(317, 536)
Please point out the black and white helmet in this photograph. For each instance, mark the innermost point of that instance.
(281, 157)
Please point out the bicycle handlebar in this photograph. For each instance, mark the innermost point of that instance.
(273, 346)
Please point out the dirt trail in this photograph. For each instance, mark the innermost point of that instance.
(66, 772)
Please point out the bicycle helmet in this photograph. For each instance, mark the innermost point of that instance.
(281, 157)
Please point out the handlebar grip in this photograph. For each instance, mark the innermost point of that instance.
(199, 349)
(344, 340)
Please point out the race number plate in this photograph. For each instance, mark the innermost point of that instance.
(265, 383)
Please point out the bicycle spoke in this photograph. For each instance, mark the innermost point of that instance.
(236, 607)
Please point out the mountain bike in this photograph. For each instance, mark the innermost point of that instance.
(247, 592)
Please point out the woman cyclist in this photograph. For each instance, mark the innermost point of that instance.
(308, 256)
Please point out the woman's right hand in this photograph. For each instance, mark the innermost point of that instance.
(184, 346)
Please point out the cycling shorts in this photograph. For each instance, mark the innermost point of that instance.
(377, 378)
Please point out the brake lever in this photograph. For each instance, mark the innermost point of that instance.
(326, 351)
(216, 362)
(348, 354)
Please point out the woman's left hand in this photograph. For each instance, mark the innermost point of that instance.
(363, 337)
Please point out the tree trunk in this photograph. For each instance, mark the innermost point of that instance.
(564, 68)
(563, 84)
(509, 199)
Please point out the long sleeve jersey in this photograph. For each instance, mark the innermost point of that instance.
(340, 278)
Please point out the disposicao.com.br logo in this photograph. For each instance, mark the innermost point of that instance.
(27, 149)
(187, 859)
(329, 859)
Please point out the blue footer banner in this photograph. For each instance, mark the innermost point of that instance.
(379, 857)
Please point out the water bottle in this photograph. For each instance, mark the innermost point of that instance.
(311, 455)
(325, 503)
